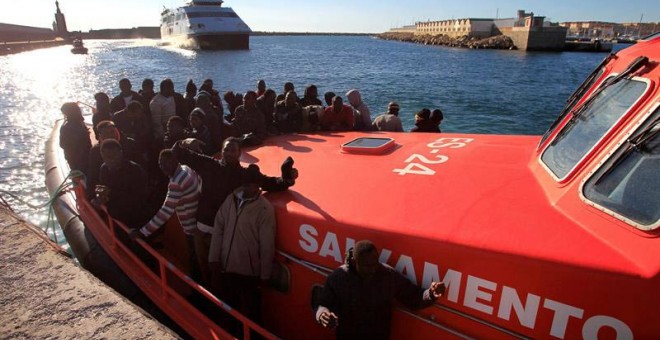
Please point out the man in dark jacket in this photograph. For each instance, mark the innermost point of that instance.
(107, 130)
(357, 297)
(220, 178)
(123, 186)
(125, 96)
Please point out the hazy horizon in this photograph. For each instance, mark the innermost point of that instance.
(340, 16)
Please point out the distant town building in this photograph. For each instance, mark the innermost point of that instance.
(610, 30)
(59, 25)
(454, 28)
(528, 31)
(593, 29)
(404, 29)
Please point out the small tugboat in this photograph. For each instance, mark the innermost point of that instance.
(544, 237)
(78, 47)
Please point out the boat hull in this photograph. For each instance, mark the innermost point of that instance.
(222, 41)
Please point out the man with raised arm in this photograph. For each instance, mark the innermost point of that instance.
(357, 297)
(221, 177)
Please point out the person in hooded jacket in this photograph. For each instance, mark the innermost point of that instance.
(74, 137)
(362, 120)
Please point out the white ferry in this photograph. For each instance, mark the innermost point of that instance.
(204, 24)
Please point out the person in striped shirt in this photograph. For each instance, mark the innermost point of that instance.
(183, 192)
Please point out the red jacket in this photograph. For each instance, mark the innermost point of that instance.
(342, 121)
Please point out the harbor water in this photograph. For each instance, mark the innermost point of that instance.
(479, 91)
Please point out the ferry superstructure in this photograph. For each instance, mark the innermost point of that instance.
(205, 24)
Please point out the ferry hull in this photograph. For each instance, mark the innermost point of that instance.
(213, 42)
(223, 41)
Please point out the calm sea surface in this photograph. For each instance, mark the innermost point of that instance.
(479, 91)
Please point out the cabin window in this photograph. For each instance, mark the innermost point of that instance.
(586, 128)
(628, 184)
(212, 15)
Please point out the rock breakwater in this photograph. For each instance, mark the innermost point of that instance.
(500, 42)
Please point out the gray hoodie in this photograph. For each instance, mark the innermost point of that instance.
(355, 99)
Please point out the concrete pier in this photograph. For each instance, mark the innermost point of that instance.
(23, 46)
(44, 294)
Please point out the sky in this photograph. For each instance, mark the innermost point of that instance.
(355, 16)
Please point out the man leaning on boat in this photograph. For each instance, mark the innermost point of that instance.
(357, 297)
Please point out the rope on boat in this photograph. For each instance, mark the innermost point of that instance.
(51, 222)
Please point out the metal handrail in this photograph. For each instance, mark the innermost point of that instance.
(166, 266)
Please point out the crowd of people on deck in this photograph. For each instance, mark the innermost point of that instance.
(153, 159)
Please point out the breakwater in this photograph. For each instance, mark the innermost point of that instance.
(22, 46)
(500, 42)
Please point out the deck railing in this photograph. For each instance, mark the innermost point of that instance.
(157, 286)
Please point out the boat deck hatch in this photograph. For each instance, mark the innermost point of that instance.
(368, 145)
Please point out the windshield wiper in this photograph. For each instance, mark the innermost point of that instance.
(637, 142)
(576, 95)
(632, 68)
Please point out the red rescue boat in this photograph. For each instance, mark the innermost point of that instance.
(535, 237)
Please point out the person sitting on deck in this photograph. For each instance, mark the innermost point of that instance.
(74, 137)
(232, 104)
(148, 94)
(389, 121)
(220, 178)
(311, 118)
(423, 121)
(201, 131)
(261, 87)
(176, 131)
(328, 98)
(436, 118)
(212, 119)
(190, 97)
(288, 114)
(310, 97)
(357, 297)
(338, 117)
(166, 104)
(207, 87)
(266, 104)
(243, 246)
(107, 130)
(125, 96)
(123, 186)
(362, 115)
(102, 111)
(133, 124)
(249, 121)
(288, 86)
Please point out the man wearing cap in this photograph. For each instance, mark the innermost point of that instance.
(243, 245)
(388, 121)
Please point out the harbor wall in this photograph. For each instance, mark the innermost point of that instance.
(536, 39)
(14, 33)
(46, 295)
(23, 46)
